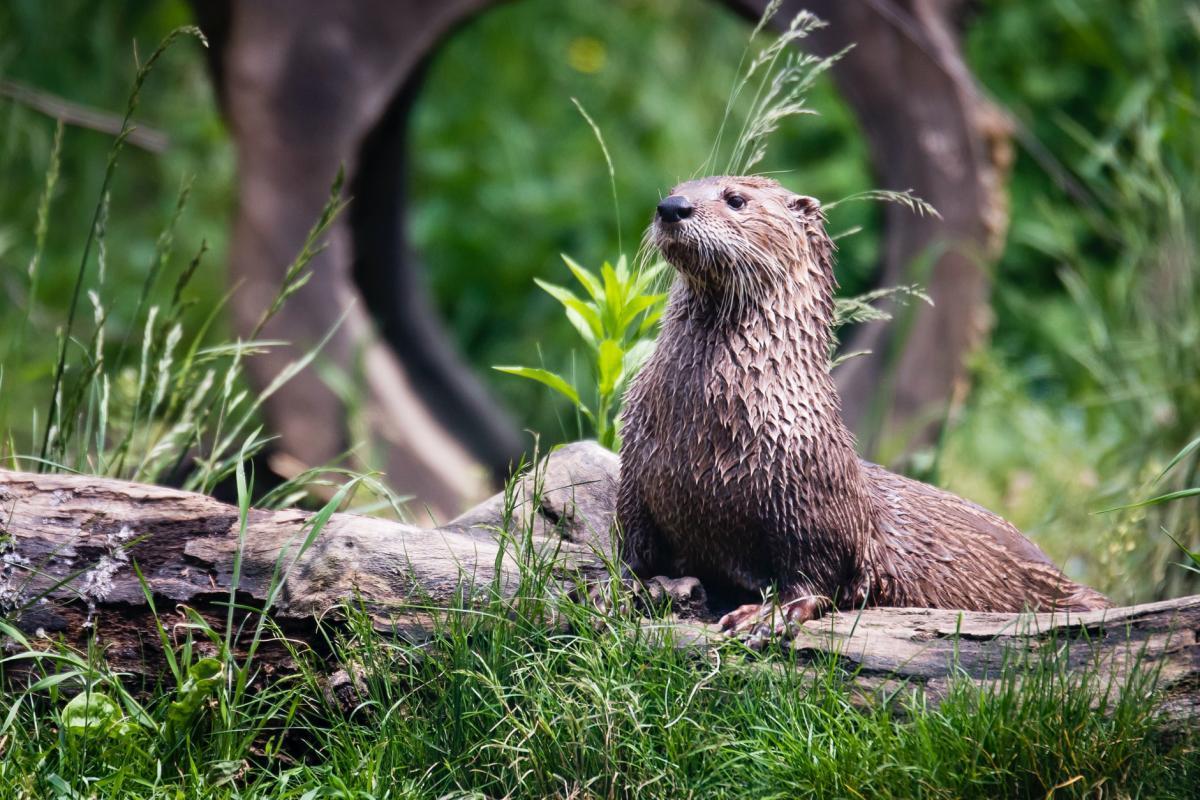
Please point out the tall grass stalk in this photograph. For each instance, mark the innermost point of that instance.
(53, 412)
(180, 411)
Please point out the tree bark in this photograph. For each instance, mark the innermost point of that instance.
(68, 545)
(307, 88)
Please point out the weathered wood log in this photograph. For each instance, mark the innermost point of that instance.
(1154, 648)
(68, 545)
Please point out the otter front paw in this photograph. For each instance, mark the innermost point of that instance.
(758, 623)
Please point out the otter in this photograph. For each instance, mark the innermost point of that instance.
(736, 467)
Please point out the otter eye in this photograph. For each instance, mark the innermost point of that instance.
(735, 201)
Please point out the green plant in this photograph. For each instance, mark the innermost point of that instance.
(617, 322)
(1176, 496)
(1121, 350)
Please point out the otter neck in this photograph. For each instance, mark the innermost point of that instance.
(792, 317)
(767, 359)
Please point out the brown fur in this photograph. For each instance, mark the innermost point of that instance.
(736, 465)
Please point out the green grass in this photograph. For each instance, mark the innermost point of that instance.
(537, 696)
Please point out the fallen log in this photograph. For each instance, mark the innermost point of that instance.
(69, 544)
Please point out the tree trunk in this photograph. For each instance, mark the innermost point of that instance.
(69, 543)
(307, 88)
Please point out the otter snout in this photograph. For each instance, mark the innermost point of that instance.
(675, 208)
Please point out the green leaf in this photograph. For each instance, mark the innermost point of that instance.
(649, 275)
(559, 293)
(588, 315)
(56, 679)
(614, 297)
(90, 713)
(202, 681)
(622, 270)
(649, 321)
(1154, 501)
(589, 281)
(582, 327)
(573, 303)
(65, 792)
(611, 364)
(611, 282)
(639, 304)
(15, 634)
(1194, 557)
(1180, 456)
(547, 377)
(635, 358)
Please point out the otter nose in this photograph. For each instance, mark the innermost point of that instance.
(674, 208)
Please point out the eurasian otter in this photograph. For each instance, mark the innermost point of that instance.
(736, 466)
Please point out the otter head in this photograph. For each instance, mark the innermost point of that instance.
(740, 238)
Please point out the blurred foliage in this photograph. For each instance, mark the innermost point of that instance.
(496, 130)
(1062, 67)
(1088, 389)
(79, 52)
(85, 54)
(1098, 292)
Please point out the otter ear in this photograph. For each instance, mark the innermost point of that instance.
(804, 206)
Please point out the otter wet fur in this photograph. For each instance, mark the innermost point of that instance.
(736, 467)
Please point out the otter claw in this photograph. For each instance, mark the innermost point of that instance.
(757, 623)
